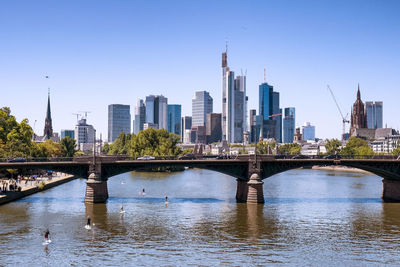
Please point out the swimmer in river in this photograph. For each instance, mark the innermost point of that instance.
(46, 235)
(166, 199)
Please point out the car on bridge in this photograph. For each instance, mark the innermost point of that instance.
(16, 160)
(187, 156)
(223, 156)
(146, 158)
(333, 157)
(300, 157)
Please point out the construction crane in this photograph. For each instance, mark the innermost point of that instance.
(344, 119)
(275, 115)
(77, 116)
(85, 112)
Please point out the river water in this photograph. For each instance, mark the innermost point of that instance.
(310, 217)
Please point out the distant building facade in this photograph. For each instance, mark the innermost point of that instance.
(84, 136)
(289, 125)
(174, 119)
(253, 125)
(374, 113)
(140, 116)
(213, 128)
(186, 124)
(69, 133)
(308, 131)
(202, 104)
(270, 112)
(119, 120)
(156, 110)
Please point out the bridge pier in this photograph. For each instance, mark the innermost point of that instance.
(96, 189)
(391, 190)
(255, 193)
(241, 191)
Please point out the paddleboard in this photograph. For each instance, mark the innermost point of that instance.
(122, 212)
(88, 227)
(46, 242)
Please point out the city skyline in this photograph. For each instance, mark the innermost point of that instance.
(88, 69)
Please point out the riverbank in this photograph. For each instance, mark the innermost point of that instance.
(340, 169)
(9, 196)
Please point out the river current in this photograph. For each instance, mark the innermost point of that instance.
(310, 217)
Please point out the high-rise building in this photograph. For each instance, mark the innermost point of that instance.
(156, 110)
(119, 120)
(69, 133)
(186, 124)
(202, 104)
(253, 125)
(234, 104)
(308, 131)
(270, 112)
(84, 136)
(374, 114)
(140, 116)
(358, 117)
(289, 125)
(213, 127)
(198, 135)
(174, 119)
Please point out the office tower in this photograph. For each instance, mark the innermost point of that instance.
(253, 126)
(140, 116)
(289, 122)
(84, 136)
(308, 131)
(270, 112)
(234, 104)
(213, 127)
(69, 133)
(156, 110)
(202, 104)
(198, 135)
(186, 124)
(358, 118)
(119, 120)
(174, 119)
(374, 114)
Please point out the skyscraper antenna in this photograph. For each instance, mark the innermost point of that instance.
(265, 75)
(226, 46)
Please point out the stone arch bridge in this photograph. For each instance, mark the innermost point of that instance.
(249, 171)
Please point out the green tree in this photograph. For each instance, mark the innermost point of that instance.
(154, 143)
(292, 149)
(396, 151)
(68, 147)
(356, 147)
(333, 146)
(264, 146)
(47, 149)
(121, 145)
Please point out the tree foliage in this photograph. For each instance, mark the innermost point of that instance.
(262, 146)
(68, 147)
(151, 142)
(333, 146)
(291, 149)
(15, 138)
(47, 149)
(356, 147)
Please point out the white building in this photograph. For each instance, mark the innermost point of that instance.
(84, 136)
(385, 144)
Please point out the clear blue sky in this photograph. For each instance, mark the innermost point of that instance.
(105, 52)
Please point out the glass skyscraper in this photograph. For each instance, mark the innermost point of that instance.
(374, 111)
(270, 112)
(174, 119)
(202, 104)
(308, 131)
(156, 110)
(140, 116)
(119, 120)
(289, 125)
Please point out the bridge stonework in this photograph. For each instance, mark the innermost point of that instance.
(249, 171)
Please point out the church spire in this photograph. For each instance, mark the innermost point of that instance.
(48, 127)
(358, 92)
